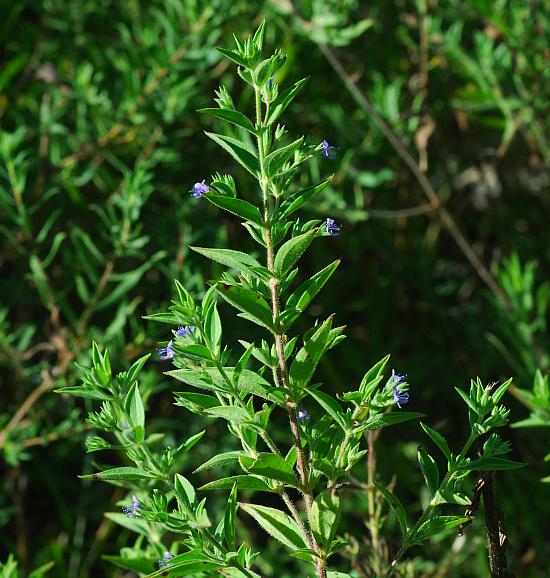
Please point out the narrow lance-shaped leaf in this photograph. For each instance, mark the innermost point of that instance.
(272, 466)
(299, 199)
(133, 405)
(283, 100)
(429, 470)
(238, 207)
(242, 262)
(125, 473)
(239, 151)
(438, 440)
(276, 523)
(386, 419)
(232, 116)
(291, 251)
(304, 295)
(397, 507)
(331, 406)
(305, 362)
(325, 515)
(253, 305)
(213, 327)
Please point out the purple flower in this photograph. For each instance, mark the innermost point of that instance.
(270, 80)
(396, 378)
(199, 189)
(163, 562)
(303, 415)
(131, 510)
(185, 331)
(167, 352)
(328, 150)
(400, 397)
(333, 228)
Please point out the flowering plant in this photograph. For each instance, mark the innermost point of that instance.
(308, 472)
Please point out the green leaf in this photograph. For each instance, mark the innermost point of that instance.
(187, 564)
(397, 508)
(242, 262)
(299, 199)
(134, 406)
(469, 402)
(386, 419)
(372, 378)
(277, 524)
(185, 492)
(438, 440)
(133, 372)
(125, 473)
(232, 116)
(332, 407)
(304, 295)
(221, 460)
(325, 516)
(230, 519)
(239, 151)
(252, 304)
(291, 251)
(189, 443)
(274, 467)
(276, 159)
(437, 525)
(283, 100)
(195, 402)
(248, 482)
(305, 362)
(231, 413)
(139, 565)
(133, 524)
(200, 379)
(86, 392)
(238, 207)
(213, 327)
(429, 470)
(234, 56)
(490, 463)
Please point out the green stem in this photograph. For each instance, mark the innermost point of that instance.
(282, 373)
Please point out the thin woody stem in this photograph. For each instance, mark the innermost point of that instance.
(282, 377)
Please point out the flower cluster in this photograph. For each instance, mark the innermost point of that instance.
(130, 511)
(168, 351)
(400, 397)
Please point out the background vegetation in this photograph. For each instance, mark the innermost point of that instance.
(439, 110)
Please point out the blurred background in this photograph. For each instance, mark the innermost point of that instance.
(439, 110)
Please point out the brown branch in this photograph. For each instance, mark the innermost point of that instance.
(494, 524)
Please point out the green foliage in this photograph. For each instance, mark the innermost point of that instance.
(100, 143)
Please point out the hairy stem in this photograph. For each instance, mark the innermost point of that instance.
(282, 372)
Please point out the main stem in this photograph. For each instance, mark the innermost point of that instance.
(282, 372)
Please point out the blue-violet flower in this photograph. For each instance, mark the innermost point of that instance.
(199, 189)
(167, 352)
(397, 378)
(328, 150)
(303, 415)
(131, 510)
(185, 331)
(163, 562)
(400, 397)
(333, 228)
